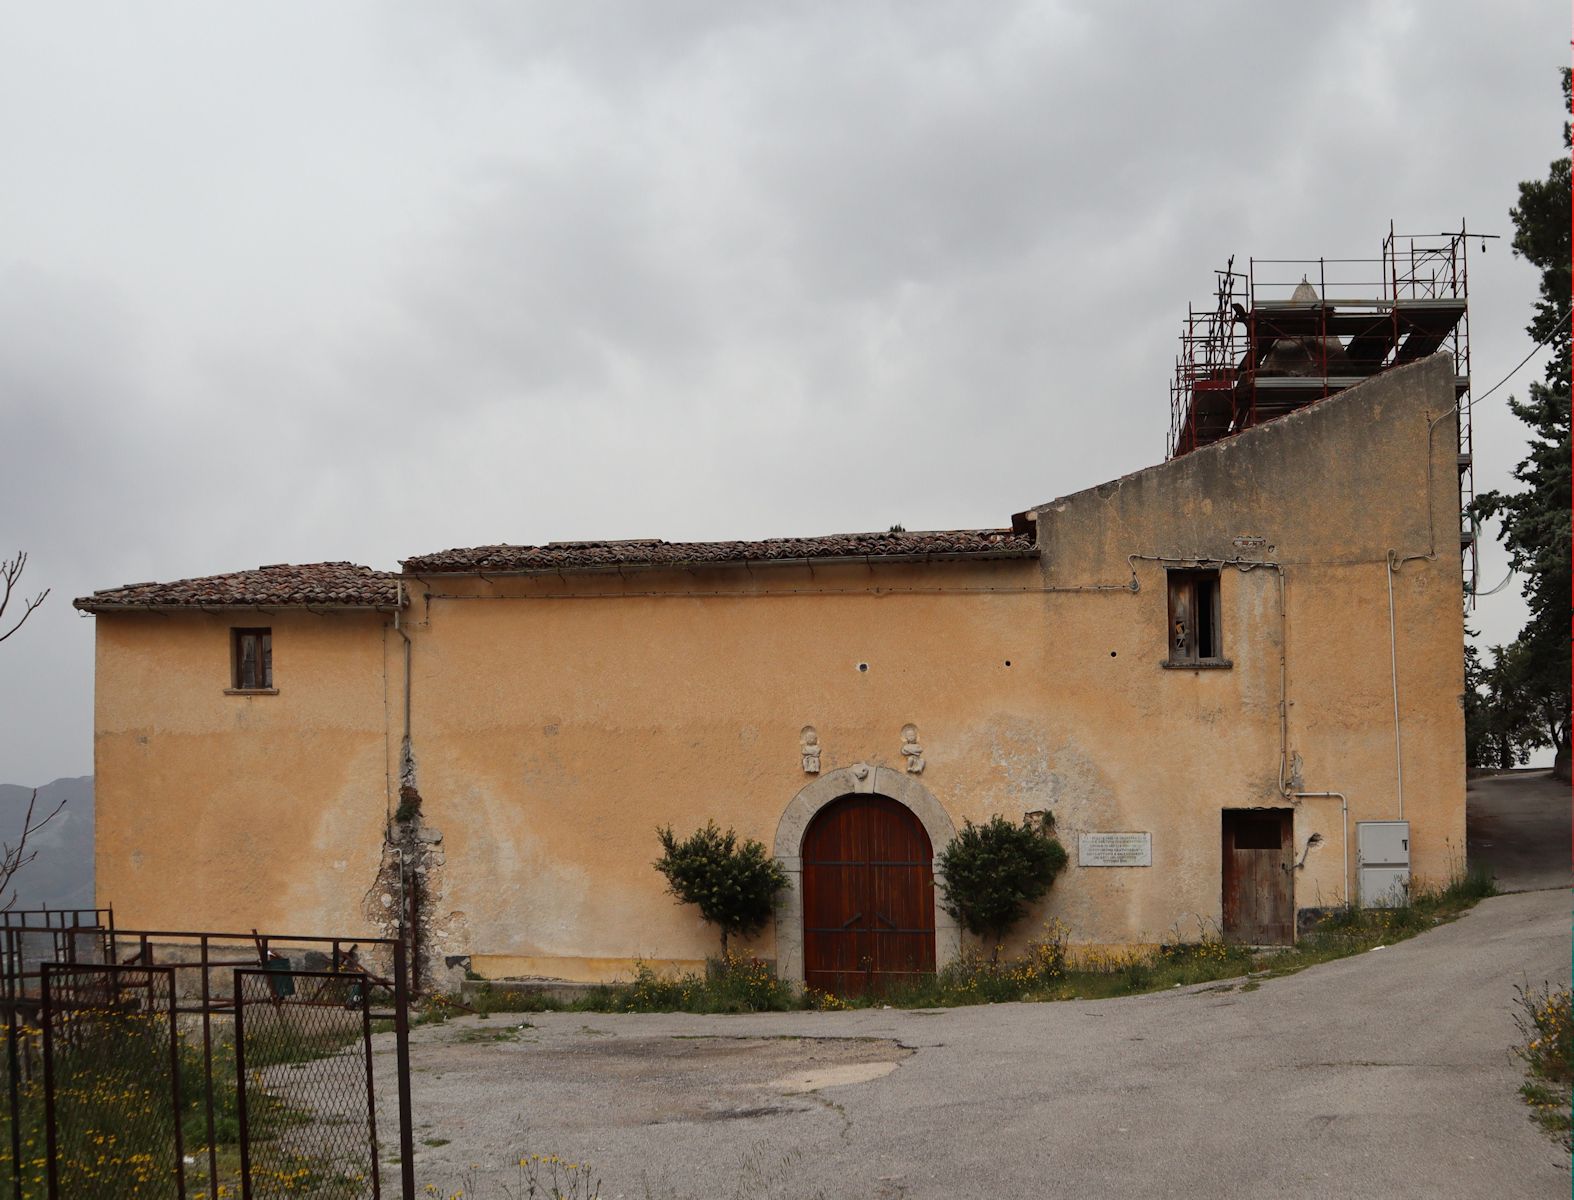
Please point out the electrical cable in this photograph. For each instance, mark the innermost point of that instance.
(1477, 400)
(1500, 587)
(1537, 347)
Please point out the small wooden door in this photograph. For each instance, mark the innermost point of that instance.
(1259, 897)
(868, 897)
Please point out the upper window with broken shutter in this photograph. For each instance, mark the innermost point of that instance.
(251, 660)
(1196, 634)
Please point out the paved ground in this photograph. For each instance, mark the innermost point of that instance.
(1521, 824)
(1382, 1075)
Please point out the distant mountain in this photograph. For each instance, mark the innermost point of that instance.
(62, 874)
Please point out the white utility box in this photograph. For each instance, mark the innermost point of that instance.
(1382, 855)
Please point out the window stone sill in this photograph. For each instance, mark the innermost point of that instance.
(1201, 664)
(251, 691)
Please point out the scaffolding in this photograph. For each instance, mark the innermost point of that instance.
(1286, 333)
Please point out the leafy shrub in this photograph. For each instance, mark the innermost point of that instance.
(734, 884)
(994, 871)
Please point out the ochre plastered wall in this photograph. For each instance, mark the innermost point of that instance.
(554, 735)
(1325, 495)
(557, 720)
(233, 812)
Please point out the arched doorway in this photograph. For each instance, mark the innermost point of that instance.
(868, 896)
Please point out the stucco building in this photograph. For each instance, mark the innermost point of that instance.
(1206, 675)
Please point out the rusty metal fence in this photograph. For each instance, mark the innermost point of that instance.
(199, 1065)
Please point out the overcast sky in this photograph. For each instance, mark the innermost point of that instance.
(303, 281)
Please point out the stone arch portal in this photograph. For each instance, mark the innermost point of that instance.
(858, 779)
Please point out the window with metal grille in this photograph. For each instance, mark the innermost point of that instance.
(251, 660)
(1196, 638)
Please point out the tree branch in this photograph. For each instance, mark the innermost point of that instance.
(14, 858)
(10, 571)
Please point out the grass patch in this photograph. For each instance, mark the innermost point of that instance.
(760, 1173)
(1550, 1110)
(535, 1175)
(734, 983)
(509, 1033)
(114, 1121)
(1050, 970)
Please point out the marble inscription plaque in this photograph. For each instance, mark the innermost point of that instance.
(1115, 850)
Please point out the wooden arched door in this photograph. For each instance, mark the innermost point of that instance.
(868, 897)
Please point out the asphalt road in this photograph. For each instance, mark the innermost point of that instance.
(1520, 824)
(1385, 1075)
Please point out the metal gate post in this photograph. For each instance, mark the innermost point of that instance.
(402, 1069)
(371, 1097)
(14, 1066)
(240, 1087)
(47, 1020)
(13, 957)
(174, 1080)
(207, 1069)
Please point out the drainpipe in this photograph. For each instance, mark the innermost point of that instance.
(1393, 668)
(405, 749)
(398, 628)
(1284, 685)
(1344, 835)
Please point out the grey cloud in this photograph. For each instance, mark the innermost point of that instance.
(376, 280)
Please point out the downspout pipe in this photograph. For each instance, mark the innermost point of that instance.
(1393, 669)
(1344, 834)
(399, 629)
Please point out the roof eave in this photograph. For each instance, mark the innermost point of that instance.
(87, 605)
(698, 564)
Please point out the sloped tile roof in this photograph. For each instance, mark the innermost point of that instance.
(570, 556)
(326, 584)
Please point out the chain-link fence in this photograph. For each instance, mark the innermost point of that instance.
(200, 1065)
(303, 1056)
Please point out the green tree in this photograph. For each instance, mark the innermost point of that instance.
(734, 884)
(1535, 519)
(1506, 717)
(992, 872)
(1481, 749)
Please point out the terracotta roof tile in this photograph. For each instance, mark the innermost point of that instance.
(327, 584)
(571, 556)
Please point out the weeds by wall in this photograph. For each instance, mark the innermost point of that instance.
(1050, 969)
(1545, 1016)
